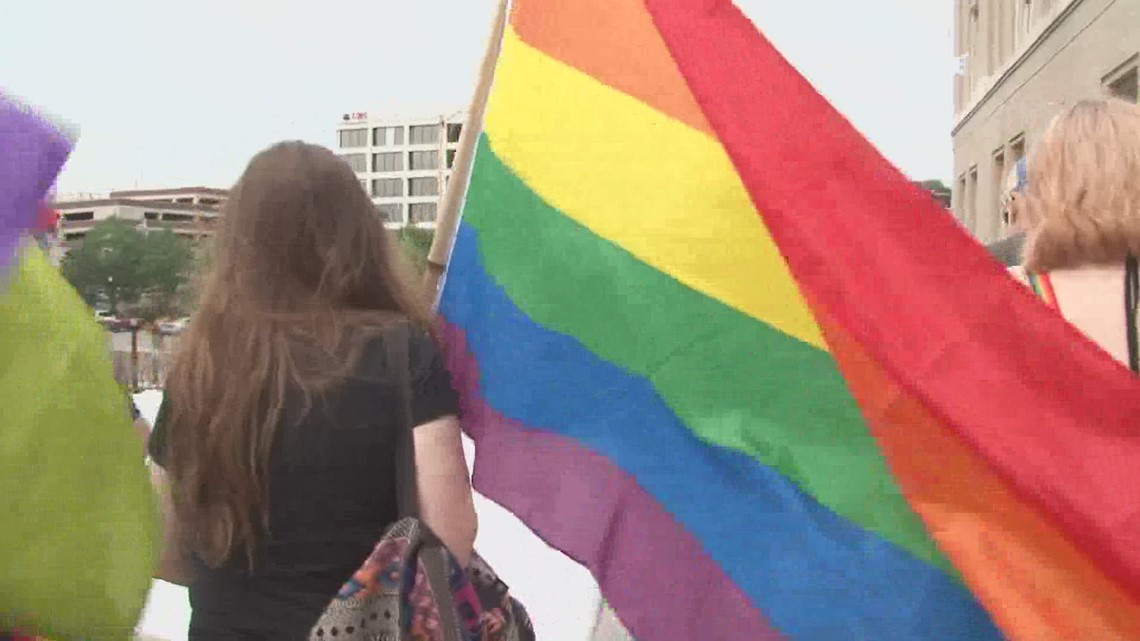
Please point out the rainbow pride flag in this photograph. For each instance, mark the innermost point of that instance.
(713, 346)
(76, 551)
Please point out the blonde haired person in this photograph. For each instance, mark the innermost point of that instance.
(1082, 217)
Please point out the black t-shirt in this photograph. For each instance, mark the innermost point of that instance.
(332, 493)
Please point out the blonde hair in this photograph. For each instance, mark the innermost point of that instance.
(1082, 203)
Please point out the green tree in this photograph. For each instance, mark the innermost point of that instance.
(416, 243)
(201, 263)
(936, 186)
(105, 267)
(166, 264)
(117, 264)
(938, 190)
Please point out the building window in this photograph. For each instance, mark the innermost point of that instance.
(150, 215)
(79, 216)
(421, 213)
(420, 160)
(453, 132)
(1124, 81)
(397, 135)
(450, 158)
(1127, 87)
(358, 162)
(1016, 149)
(379, 136)
(350, 138)
(1025, 17)
(387, 187)
(424, 134)
(423, 187)
(972, 201)
(968, 41)
(960, 199)
(391, 212)
(388, 162)
(1000, 187)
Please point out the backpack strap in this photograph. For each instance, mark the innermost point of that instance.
(399, 361)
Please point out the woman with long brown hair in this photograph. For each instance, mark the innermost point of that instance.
(279, 423)
(1082, 215)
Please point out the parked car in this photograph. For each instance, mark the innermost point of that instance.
(173, 326)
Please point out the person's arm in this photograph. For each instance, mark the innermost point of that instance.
(446, 502)
(142, 427)
(175, 563)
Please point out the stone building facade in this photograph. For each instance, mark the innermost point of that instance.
(1022, 61)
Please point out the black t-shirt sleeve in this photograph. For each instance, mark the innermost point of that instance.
(432, 394)
(156, 445)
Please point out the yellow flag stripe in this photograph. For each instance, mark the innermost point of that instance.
(662, 190)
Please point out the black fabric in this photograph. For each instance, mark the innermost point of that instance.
(332, 493)
(407, 496)
(1131, 300)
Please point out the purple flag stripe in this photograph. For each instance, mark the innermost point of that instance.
(600, 517)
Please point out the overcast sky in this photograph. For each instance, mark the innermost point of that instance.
(183, 93)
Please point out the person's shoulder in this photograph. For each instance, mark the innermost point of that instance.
(424, 350)
(415, 339)
(414, 334)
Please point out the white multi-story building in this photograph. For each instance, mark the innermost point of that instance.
(403, 163)
(187, 211)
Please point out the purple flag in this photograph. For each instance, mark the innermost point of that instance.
(32, 153)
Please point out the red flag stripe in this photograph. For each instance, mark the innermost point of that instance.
(917, 294)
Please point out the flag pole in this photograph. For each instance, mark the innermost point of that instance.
(448, 220)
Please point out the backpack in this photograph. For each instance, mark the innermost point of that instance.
(411, 588)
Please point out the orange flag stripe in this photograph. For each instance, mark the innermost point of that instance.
(1034, 582)
(625, 50)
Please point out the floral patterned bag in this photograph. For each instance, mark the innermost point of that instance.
(411, 588)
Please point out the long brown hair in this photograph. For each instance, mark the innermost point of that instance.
(303, 269)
